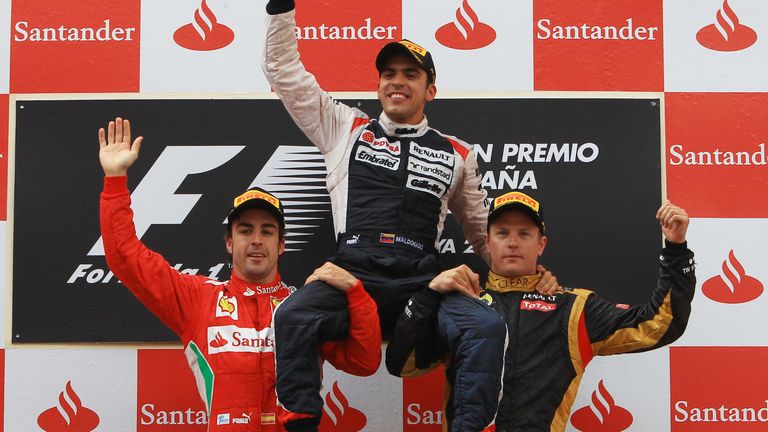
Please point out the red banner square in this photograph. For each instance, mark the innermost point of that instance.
(88, 46)
(598, 45)
(716, 154)
(340, 48)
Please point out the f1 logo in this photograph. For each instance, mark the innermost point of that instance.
(159, 185)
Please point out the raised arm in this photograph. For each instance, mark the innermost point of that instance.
(615, 329)
(322, 119)
(147, 274)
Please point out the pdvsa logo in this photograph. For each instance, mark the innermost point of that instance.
(204, 33)
(727, 33)
(608, 418)
(339, 416)
(733, 285)
(466, 32)
(69, 416)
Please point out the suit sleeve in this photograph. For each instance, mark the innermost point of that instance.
(414, 349)
(323, 120)
(171, 296)
(468, 204)
(660, 321)
(360, 353)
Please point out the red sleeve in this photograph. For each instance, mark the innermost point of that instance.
(360, 353)
(169, 295)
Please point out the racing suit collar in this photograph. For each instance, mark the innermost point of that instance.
(402, 129)
(249, 289)
(504, 284)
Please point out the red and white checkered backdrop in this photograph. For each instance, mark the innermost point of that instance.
(706, 60)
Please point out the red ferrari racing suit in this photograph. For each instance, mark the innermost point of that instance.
(226, 327)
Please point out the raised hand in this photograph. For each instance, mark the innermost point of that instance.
(674, 222)
(116, 152)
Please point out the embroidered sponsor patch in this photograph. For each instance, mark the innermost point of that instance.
(222, 419)
(537, 305)
(386, 238)
(437, 171)
(238, 339)
(432, 154)
(370, 156)
(427, 185)
(226, 306)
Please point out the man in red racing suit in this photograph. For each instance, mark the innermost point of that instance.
(226, 327)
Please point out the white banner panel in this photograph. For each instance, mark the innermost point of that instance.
(85, 388)
(730, 302)
(712, 45)
(208, 46)
(479, 45)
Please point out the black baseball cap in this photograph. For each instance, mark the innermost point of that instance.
(516, 201)
(414, 50)
(258, 198)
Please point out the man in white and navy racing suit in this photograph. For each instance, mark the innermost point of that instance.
(391, 181)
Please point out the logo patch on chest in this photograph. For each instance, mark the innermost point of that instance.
(540, 306)
(226, 306)
(427, 185)
(432, 155)
(437, 171)
(370, 156)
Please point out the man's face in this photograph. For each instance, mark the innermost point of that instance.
(515, 244)
(255, 245)
(403, 89)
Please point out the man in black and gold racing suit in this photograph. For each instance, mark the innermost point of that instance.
(553, 337)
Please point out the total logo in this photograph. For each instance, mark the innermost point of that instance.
(339, 416)
(69, 416)
(608, 418)
(733, 285)
(204, 33)
(727, 33)
(466, 32)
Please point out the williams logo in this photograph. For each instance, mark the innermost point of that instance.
(204, 33)
(69, 416)
(611, 417)
(466, 32)
(727, 33)
(733, 285)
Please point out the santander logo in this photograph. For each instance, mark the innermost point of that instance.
(727, 33)
(609, 418)
(204, 33)
(732, 285)
(69, 415)
(218, 341)
(466, 32)
(339, 416)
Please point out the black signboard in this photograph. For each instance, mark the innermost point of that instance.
(593, 163)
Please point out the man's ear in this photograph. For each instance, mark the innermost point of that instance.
(229, 244)
(431, 92)
(281, 247)
(542, 244)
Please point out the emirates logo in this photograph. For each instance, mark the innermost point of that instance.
(69, 415)
(339, 416)
(608, 418)
(727, 33)
(732, 285)
(466, 32)
(218, 341)
(204, 33)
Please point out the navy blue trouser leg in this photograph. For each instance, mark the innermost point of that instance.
(314, 314)
(477, 337)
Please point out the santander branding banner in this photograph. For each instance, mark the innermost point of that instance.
(476, 44)
(67, 390)
(730, 301)
(716, 153)
(623, 393)
(202, 46)
(720, 41)
(719, 389)
(88, 46)
(598, 45)
(340, 48)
